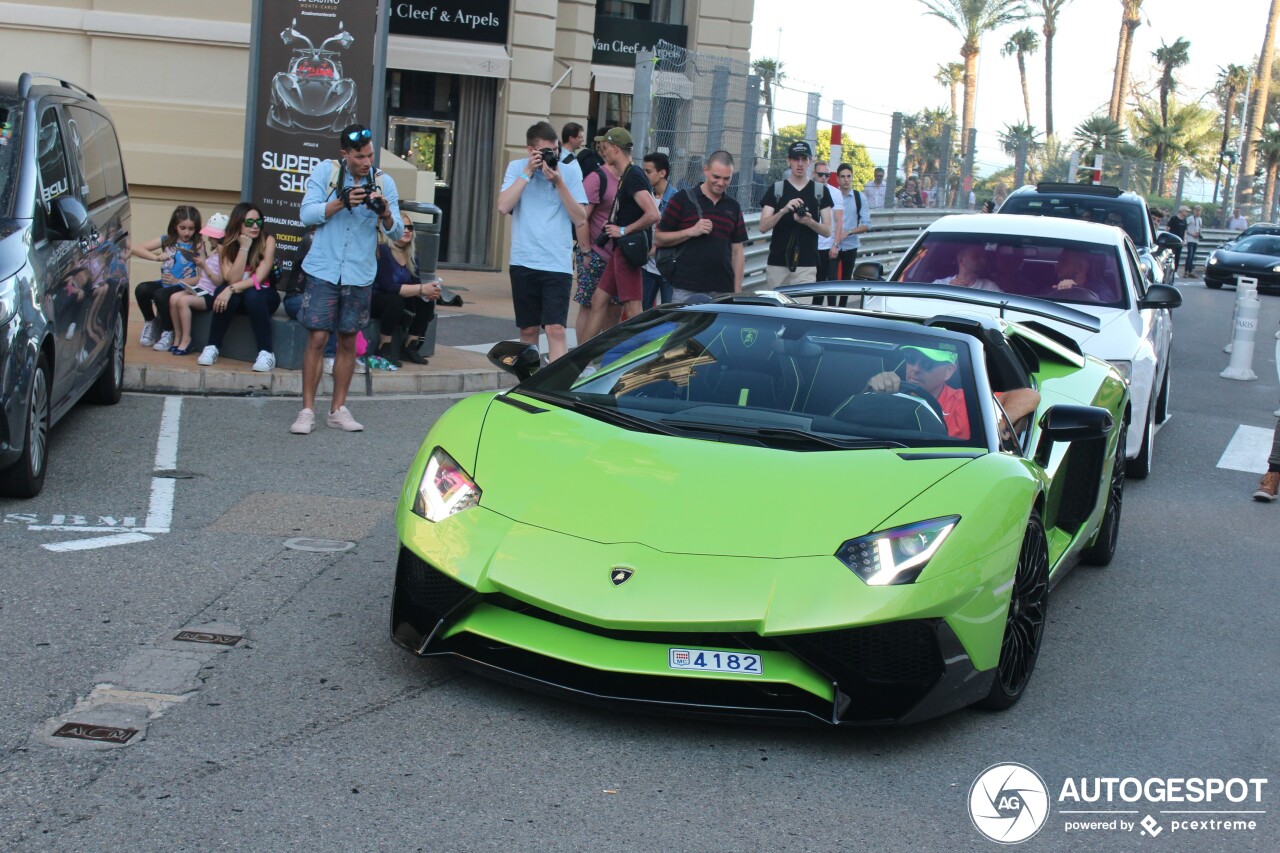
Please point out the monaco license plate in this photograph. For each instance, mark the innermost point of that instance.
(712, 660)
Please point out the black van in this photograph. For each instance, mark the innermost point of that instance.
(64, 281)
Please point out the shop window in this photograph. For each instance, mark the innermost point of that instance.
(658, 11)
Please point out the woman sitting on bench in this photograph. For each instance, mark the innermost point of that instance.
(397, 289)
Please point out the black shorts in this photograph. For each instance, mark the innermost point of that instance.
(541, 298)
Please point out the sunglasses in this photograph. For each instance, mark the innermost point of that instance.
(913, 357)
(822, 174)
(408, 226)
(357, 135)
(252, 223)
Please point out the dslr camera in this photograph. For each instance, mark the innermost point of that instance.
(602, 239)
(551, 157)
(377, 205)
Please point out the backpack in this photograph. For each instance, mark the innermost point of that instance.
(667, 257)
(817, 194)
(337, 172)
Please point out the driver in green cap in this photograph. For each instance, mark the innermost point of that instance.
(929, 368)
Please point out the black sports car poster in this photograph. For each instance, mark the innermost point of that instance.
(315, 75)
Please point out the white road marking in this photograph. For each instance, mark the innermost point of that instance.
(129, 537)
(1248, 450)
(160, 507)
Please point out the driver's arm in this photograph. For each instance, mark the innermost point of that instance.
(1019, 402)
(884, 383)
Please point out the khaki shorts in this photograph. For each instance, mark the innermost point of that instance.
(779, 276)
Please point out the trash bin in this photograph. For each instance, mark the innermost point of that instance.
(426, 251)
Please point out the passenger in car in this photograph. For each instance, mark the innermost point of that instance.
(1073, 271)
(970, 260)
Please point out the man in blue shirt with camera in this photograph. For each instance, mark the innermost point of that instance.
(347, 200)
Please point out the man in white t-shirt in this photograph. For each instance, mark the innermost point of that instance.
(826, 268)
(874, 191)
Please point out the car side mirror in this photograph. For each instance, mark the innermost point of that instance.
(1168, 240)
(519, 359)
(68, 218)
(1161, 296)
(868, 271)
(1069, 423)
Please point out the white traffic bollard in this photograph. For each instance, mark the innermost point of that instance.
(1241, 364)
(1246, 288)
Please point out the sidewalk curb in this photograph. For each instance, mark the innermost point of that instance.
(288, 383)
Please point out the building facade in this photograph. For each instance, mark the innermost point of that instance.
(463, 83)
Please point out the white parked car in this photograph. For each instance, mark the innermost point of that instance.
(1093, 268)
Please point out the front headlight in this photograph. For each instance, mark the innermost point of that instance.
(1125, 368)
(445, 488)
(1213, 259)
(8, 299)
(896, 556)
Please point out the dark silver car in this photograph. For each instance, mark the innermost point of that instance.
(64, 283)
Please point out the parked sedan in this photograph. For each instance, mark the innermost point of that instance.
(740, 531)
(1093, 268)
(1256, 256)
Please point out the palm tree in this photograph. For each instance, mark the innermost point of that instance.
(1098, 134)
(1257, 106)
(1186, 135)
(910, 136)
(1048, 10)
(1268, 148)
(951, 75)
(1130, 20)
(1021, 43)
(973, 18)
(1232, 80)
(1170, 57)
(1014, 136)
(771, 74)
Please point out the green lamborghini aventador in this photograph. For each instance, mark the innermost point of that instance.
(763, 509)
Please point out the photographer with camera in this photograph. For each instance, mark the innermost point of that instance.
(544, 199)
(347, 200)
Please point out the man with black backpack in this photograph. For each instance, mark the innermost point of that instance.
(702, 237)
(797, 210)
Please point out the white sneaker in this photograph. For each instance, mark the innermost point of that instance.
(210, 354)
(304, 423)
(341, 419)
(361, 366)
(328, 366)
(165, 341)
(264, 363)
(149, 330)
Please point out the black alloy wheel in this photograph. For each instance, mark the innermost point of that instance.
(1104, 548)
(25, 478)
(1024, 623)
(110, 385)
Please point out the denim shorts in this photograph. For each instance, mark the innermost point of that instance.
(327, 306)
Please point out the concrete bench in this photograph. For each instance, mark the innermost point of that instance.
(288, 338)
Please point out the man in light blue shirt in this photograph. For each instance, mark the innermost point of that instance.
(347, 208)
(545, 200)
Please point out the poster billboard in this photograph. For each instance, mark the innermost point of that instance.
(315, 67)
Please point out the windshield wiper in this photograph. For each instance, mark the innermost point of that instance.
(786, 434)
(602, 413)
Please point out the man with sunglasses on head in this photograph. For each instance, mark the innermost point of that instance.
(347, 201)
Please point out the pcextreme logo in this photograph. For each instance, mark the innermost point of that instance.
(1009, 803)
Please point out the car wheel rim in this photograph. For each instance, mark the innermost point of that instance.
(39, 416)
(117, 353)
(1024, 626)
(1115, 498)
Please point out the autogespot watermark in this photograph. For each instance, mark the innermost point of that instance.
(1009, 803)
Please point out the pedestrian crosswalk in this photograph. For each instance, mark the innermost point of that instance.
(1248, 450)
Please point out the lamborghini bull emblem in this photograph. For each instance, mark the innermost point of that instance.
(620, 575)
(748, 336)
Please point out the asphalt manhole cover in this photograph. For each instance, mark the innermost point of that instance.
(206, 637)
(89, 731)
(320, 545)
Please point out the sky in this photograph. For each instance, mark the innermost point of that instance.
(881, 57)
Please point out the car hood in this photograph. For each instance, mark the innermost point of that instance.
(1247, 259)
(564, 471)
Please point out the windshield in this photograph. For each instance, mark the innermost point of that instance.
(1125, 215)
(1065, 271)
(1259, 244)
(10, 121)
(793, 383)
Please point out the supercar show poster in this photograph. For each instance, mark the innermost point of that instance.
(315, 66)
